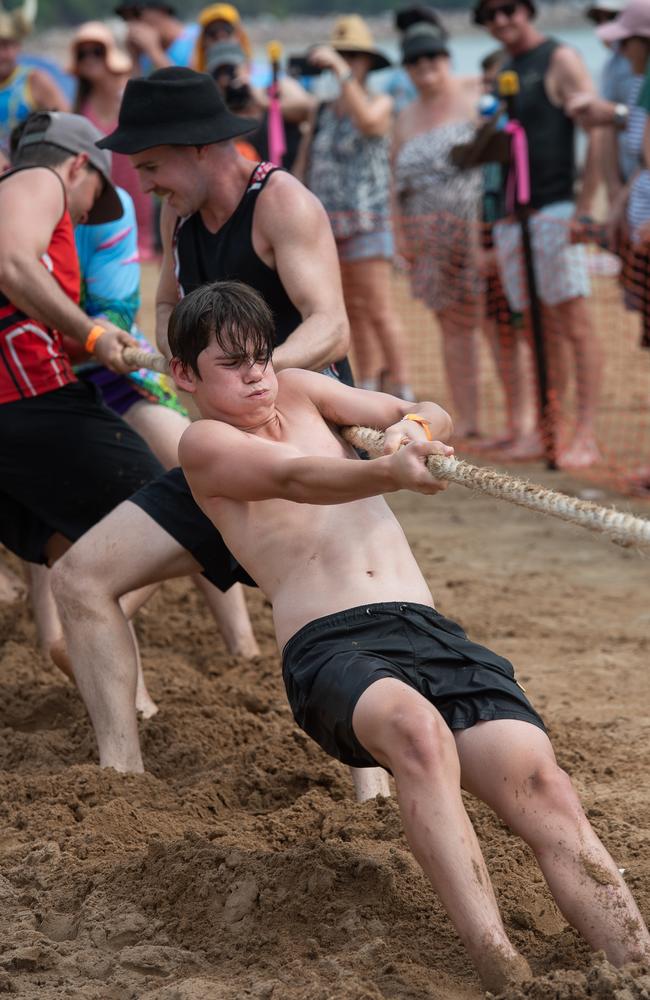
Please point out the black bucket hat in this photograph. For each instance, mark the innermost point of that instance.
(423, 39)
(174, 106)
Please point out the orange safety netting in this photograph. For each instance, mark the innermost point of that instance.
(450, 317)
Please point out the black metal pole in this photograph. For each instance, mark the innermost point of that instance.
(508, 90)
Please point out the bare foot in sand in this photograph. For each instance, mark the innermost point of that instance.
(581, 453)
(526, 448)
(499, 970)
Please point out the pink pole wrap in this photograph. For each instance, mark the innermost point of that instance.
(277, 142)
(518, 186)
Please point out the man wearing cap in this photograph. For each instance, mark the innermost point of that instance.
(550, 74)
(156, 36)
(222, 218)
(22, 90)
(65, 460)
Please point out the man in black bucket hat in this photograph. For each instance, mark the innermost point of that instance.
(222, 218)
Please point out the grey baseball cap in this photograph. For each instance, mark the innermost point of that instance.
(224, 54)
(76, 134)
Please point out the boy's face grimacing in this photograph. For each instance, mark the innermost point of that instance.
(238, 390)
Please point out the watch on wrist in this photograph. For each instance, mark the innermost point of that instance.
(345, 77)
(621, 115)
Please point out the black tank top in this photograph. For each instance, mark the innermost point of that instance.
(550, 133)
(228, 254)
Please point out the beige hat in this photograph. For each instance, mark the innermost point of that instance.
(94, 31)
(352, 34)
(15, 24)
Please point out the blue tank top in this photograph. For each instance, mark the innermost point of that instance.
(15, 103)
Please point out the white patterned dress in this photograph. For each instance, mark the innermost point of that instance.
(440, 211)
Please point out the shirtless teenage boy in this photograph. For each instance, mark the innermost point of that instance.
(382, 678)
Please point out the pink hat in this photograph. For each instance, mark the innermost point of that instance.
(94, 31)
(633, 20)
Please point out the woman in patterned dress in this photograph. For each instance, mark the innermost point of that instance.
(438, 207)
(349, 171)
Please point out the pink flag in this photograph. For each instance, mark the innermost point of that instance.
(276, 138)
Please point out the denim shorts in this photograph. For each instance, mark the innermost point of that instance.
(367, 246)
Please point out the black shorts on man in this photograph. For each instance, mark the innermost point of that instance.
(66, 461)
(328, 664)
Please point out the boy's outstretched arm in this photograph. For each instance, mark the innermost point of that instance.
(343, 405)
(222, 461)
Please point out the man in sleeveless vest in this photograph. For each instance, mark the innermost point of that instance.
(22, 90)
(222, 218)
(65, 460)
(550, 76)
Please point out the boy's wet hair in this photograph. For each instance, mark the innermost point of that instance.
(232, 313)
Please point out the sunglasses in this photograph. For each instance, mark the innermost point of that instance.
(91, 51)
(602, 16)
(219, 29)
(489, 14)
(428, 56)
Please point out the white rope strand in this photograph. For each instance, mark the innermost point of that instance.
(623, 529)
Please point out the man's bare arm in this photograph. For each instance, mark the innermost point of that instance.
(167, 291)
(221, 461)
(293, 224)
(30, 213)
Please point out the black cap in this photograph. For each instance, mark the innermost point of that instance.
(130, 7)
(419, 12)
(423, 39)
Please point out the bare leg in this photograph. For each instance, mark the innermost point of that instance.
(460, 352)
(511, 766)
(162, 427)
(366, 361)
(375, 291)
(125, 551)
(404, 732)
(231, 615)
(571, 321)
(369, 782)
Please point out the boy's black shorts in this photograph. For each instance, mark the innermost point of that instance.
(66, 461)
(329, 663)
(169, 502)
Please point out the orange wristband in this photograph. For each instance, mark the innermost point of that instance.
(92, 338)
(422, 422)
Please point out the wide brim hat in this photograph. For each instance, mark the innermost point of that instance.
(16, 24)
(634, 20)
(118, 62)
(423, 39)
(477, 10)
(351, 34)
(174, 106)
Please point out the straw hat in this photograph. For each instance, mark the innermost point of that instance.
(15, 24)
(352, 34)
(94, 31)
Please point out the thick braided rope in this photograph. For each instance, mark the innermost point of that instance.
(138, 358)
(623, 529)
